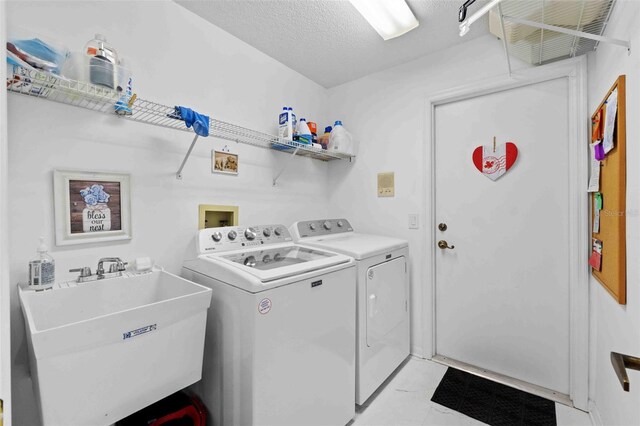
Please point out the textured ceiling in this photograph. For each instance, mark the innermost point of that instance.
(328, 40)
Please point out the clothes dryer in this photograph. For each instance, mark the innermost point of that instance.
(382, 296)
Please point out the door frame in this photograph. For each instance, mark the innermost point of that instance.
(5, 286)
(575, 71)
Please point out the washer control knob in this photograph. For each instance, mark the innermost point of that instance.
(327, 225)
(232, 235)
(266, 232)
(250, 234)
(312, 226)
(278, 231)
(340, 224)
(216, 236)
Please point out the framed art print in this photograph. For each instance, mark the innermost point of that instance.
(224, 162)
(91, 207)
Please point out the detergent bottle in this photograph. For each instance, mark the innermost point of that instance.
(324, 139)
(340, 140)
(285, 130)
(304, 134)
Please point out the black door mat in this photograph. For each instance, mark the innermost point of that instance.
(492, 403)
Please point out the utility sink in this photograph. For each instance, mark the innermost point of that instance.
(102, 350)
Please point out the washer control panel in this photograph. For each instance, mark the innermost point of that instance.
(315, 228)
(213, 240)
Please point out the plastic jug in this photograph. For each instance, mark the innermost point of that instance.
(304, 134)
(340, 140)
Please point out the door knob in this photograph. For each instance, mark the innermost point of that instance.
(445, 245)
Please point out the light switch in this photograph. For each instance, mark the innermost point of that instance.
(413, 221)
(386, 184)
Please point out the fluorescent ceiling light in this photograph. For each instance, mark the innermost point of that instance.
(390, 18)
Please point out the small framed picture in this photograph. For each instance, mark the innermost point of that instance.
(224, 162)
(91, 207)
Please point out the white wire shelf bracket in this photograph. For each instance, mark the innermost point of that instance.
(465, 25)
(505, 45)
(39, 84)
(543, 31)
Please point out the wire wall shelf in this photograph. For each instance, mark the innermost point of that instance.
(40, 84)
(544, 31)
(537, 45)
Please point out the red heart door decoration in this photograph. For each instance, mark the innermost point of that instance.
(495, 162)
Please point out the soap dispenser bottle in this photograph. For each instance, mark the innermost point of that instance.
(42, 271)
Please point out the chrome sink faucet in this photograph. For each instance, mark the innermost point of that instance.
(115, 270)
(117, 265)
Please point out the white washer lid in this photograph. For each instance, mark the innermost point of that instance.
(357, 245)
(229, 267)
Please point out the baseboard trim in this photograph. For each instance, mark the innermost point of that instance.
(594, 414)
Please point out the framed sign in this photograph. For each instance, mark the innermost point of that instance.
(224, 162)
(91, 207)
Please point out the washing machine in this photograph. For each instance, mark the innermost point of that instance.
(382, 341)
(280, 339)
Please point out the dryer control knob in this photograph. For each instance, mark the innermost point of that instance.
(278, 231)
(232, 235)
(250, 234)
(266, 232)
(312, 226)
(216, 236)
(340, 224)
(327, 225)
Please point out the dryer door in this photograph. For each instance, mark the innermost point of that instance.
(386, 299)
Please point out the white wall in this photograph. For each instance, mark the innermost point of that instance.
(388, 112)
(180, 59)
(615, 327)
(177, 59)
(5, 355)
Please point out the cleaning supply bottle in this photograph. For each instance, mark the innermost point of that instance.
(294, 124)
(124, 104)
(42, 271)
(304, 134)
(285, 130)
(340, 139)
(324, 139)
(314, 131)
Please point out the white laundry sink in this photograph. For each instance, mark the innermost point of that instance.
(102, 350)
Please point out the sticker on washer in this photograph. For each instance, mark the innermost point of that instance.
(264, 306)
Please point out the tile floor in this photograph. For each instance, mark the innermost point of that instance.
(406, 400)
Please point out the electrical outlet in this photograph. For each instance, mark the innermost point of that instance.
(413, 221)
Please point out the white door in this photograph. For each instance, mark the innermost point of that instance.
(502, 294)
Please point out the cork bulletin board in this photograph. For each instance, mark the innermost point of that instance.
(613, 186)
